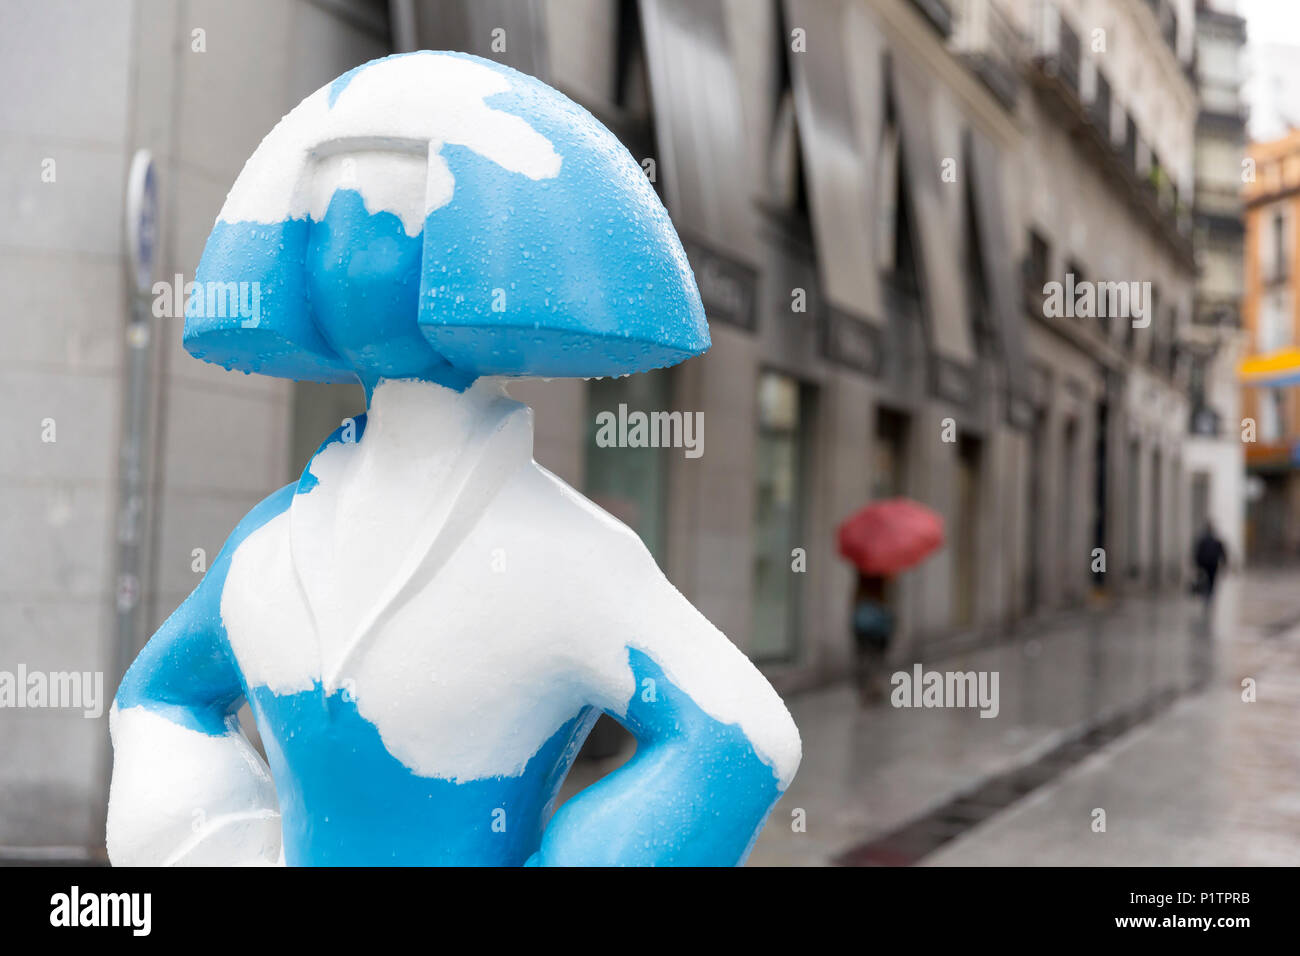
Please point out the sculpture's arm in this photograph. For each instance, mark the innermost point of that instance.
(187, 786)
(716, 746)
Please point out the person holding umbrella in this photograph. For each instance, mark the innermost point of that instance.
(881, 540)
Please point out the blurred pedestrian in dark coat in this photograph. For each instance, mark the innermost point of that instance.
(1209, 555)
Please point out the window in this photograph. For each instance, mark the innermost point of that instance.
(630, 483)
(1200, 499)
(1272, 409)
(1075, 268)
(1275, 261)
(889, 476)
(783, 413)
(1275, 327)
(1152, 313)
(1163, 330)
(1196, 380)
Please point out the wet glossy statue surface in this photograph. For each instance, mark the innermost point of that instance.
(427, 623)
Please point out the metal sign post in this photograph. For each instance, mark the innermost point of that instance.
(142, 248)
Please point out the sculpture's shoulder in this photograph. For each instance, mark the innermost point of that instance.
(544, 549)
(205, 600)
(254, 523)
(270, 507)
(547, 508)
(278, 503)
(188, 656)
(561, 555)
(256, 576)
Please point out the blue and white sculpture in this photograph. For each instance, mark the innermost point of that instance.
(427, 623)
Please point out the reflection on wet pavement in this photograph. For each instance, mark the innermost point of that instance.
(869, 774)
(1136, 710)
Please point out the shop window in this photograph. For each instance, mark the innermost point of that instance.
(630, 483)
(784, 410)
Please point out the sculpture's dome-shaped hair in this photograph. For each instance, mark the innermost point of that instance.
(456, 193)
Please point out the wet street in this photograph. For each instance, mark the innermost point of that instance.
(1130, 718)
(1136, 711)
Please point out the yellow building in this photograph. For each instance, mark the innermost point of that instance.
(1271, 367)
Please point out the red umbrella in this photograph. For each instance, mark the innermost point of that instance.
(888, 536)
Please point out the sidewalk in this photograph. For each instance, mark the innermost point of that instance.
(1213, 781)
(867, 773)
(1210, 762)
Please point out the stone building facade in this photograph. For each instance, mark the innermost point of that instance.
(874, 194)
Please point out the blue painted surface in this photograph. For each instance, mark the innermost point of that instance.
(346, 801)
(694, 794)
(595, 283)
(578, 275)
(594, 276)
(308, 481)
(285, 342)
(364, 276)
(186, 671)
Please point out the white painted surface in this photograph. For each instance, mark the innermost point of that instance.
(181, 797)
(445, 580)
(382, 137)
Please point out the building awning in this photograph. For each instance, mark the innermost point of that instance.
(841, 172)
(937, 207)
(706, 167)
(475, 28)
(1272, 369)
(1000, 272)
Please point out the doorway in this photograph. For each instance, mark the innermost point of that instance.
(1100, 462)
(1200, 500)
(1157, 515)
(889, 470)
(966, 571)
(1069, 556)
(784, 418)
